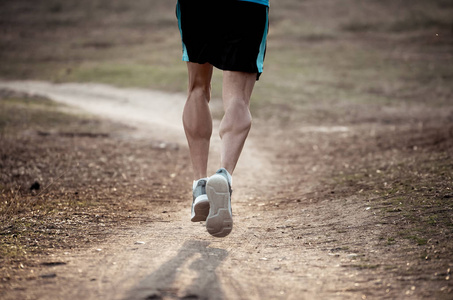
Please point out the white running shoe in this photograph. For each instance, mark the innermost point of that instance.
(200, 204)
(220, 220)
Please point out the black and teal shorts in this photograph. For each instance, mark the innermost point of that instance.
(229, 34)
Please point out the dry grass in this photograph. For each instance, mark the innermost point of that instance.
(319, 51)
(66, 182)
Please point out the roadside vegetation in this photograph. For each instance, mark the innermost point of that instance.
(66, 182)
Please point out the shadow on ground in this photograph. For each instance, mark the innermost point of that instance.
(194, 259)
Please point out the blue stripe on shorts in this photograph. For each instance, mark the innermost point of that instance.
(260, 58)
(263, 2)
(185, 55)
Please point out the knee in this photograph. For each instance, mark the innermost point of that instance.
(200, 92)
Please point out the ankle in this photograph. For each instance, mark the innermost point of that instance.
(227, 174)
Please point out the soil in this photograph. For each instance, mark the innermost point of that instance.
(357, 208)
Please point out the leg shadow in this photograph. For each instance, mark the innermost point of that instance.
(159, 284)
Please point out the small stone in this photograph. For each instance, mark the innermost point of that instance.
(53, 263)
(35, 186)
(153, 295)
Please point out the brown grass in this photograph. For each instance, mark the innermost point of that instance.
(87, 185)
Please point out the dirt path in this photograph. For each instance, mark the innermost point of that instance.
(284, 244)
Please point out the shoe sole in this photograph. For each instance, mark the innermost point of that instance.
(200, 209)
(220, 221)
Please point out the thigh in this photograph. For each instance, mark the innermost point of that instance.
(199, 75)
(237, 86)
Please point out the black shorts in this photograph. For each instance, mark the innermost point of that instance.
(229, 34)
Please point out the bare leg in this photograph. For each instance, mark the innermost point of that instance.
(236, 123)
(196, 118)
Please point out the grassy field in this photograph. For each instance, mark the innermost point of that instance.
(62, 175)
(318, 51)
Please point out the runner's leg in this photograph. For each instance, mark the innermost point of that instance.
(197, 119)
(236, 123)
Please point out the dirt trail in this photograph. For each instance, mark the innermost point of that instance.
(177, 257)
(295, 252)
